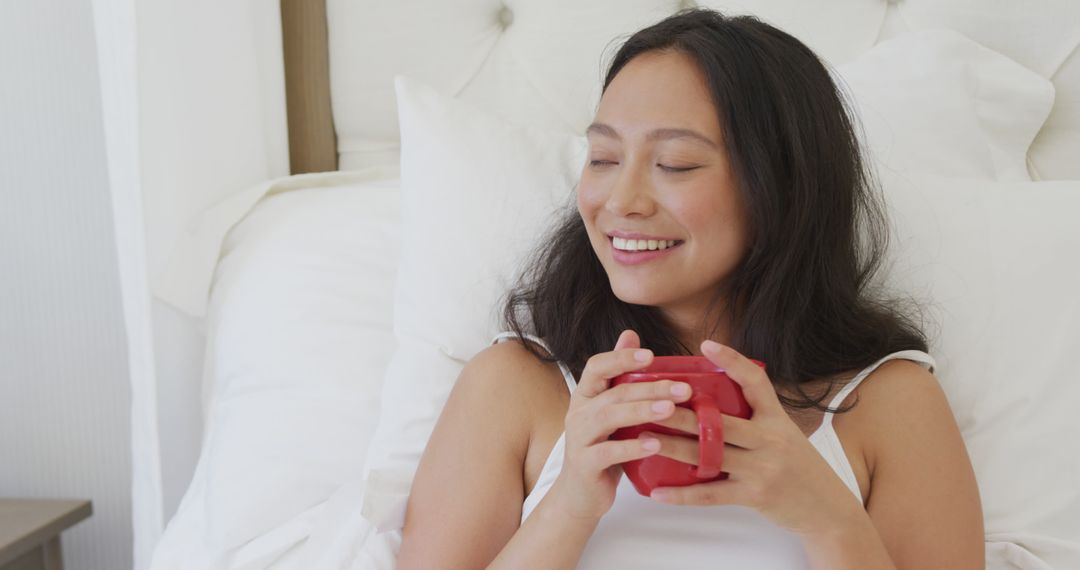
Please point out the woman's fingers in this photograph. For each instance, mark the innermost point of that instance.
(657, 390)
(676, 447)
(601, 368)
(724, 492)
(608, 418)
(737, 431)
(741, 432)
(755, 383)
(684, 420)
(628, 339)
(602, 455)
(686, 450)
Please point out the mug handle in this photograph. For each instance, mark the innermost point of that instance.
(710, 437)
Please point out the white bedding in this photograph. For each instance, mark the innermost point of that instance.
(299, 335)
(1024, 529)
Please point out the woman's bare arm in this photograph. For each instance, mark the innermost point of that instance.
(549, 539)
(924, 500)
(465, 503)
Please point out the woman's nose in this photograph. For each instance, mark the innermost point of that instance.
(631, 193)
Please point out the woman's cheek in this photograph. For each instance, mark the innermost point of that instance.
(590, 198)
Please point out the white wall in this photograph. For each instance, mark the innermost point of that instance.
(64, 392)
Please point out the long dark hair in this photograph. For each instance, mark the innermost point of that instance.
(803, 298)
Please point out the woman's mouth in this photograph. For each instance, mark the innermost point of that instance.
(636, 251)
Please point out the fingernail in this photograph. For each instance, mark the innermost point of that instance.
(642, 355)
(650, 444)
(662, 406)
(680, 389)
(711, 346)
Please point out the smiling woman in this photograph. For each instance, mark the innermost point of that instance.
(729, 137)
(724, 211)
(657, 166)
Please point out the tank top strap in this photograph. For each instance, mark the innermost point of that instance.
(913, 355)
(567, 376)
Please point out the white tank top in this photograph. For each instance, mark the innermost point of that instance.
(639, 532)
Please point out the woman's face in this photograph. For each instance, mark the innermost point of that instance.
(657, 170)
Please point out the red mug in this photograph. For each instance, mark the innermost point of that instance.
(712, 393)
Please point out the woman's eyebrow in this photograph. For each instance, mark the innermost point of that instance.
(654, 135)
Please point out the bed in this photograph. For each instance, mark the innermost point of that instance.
(335, 331)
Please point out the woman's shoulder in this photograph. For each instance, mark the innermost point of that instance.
(539, 397)
(895, 398)
(895, 385)
(512, 354)
(507, 393)
(515, 375)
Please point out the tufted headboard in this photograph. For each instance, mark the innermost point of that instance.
(541, 61)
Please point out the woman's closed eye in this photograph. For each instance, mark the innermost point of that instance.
(677, 168)
(664, 167)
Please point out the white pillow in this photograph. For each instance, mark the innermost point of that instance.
(936, 101)
(476, 191)
(1043, 36)
(299, 335)
(997, 260)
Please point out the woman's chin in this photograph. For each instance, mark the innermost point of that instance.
(640, 296)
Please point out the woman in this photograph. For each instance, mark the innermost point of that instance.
(724, 211)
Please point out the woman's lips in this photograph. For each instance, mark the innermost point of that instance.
(639, 257)
(637, 235)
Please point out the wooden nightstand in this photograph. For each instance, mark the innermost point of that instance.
(30, 531)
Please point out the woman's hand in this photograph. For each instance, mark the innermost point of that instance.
(773, 468)
(585, 488)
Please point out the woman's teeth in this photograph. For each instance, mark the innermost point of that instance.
(640, 244)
